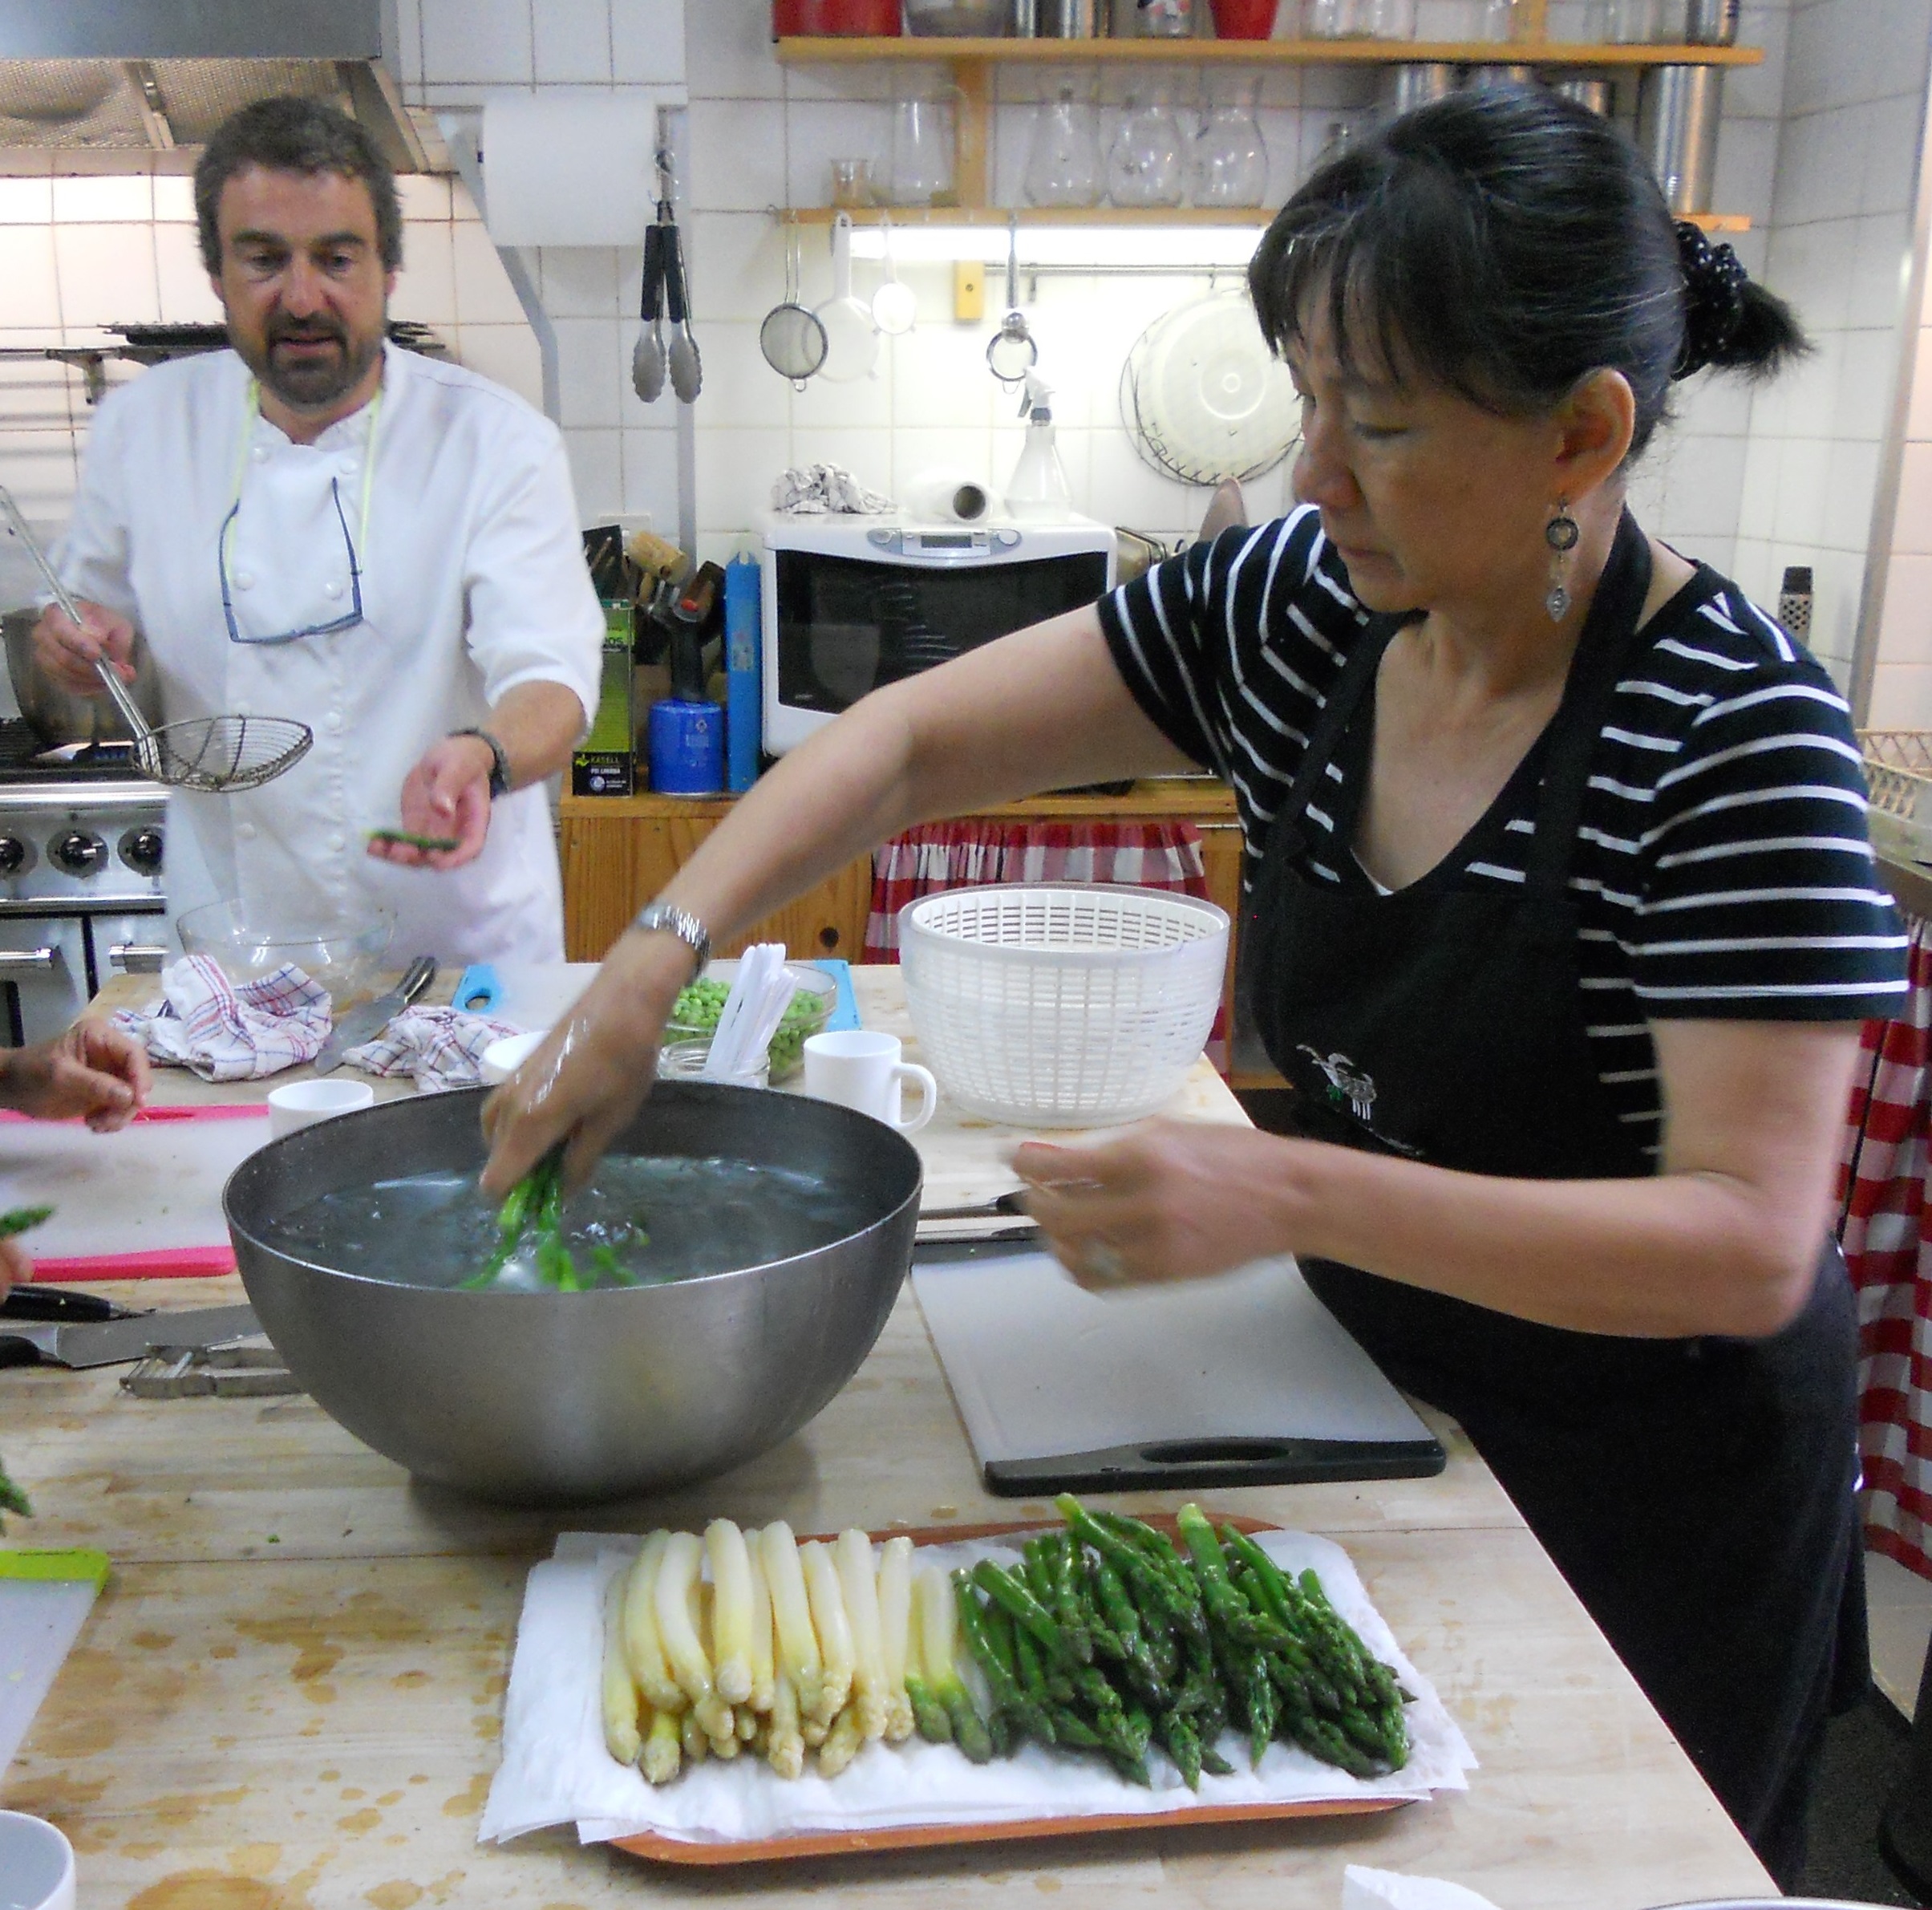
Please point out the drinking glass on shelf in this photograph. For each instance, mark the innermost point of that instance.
(1063, 156)
(1595, 27)
(1499, 21)
(852, 182)
(1143, 164)
(1387, 19)
(1332, 19)
(1228, 160)
(1633, 22)
(920, 170)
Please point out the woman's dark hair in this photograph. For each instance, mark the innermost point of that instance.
(291, 134)
(1505, 244)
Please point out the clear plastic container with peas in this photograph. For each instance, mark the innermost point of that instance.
(693, 1019)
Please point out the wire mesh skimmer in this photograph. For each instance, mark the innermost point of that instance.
(218, 755)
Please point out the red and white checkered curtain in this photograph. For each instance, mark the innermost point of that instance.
(962, 855)
(1889, 1249)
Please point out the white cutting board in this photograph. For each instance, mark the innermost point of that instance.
(145, 1201)
(1245, 1379)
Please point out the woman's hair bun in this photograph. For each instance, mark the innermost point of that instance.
(1729, 321)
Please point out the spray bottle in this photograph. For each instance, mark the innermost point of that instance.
(1037, 487)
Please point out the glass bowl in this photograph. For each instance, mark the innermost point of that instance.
(340, 951)
(687, 1038)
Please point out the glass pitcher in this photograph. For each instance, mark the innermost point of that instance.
(1228, 162)
(919, 166)
(1063, 157)
(1143, 165)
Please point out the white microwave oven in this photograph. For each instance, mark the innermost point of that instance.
(852, 603)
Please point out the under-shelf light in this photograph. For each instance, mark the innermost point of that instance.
(1113, 247)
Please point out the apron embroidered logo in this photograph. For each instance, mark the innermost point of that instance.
(1346, 1082)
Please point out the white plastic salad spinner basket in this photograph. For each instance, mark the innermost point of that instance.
(1061, 1006)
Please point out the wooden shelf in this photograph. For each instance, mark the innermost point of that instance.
(1150, 218)
(833, 50)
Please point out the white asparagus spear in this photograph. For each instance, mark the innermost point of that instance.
(895, 1628)
(691, 1739)
(833, 1627)
(641, 1646)
(731, 1611)
(799, 1656)
(858, 1582)
(621, 1736)
(784, 1746)
(763, 1663)
(841, 1743)
(674, 1599)
(663, 1752)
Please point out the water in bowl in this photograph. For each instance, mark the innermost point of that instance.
(664, 1219)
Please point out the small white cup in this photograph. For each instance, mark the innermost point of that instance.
(302, 1103)
(503, 1057)
(36, 1864)
(860, 1069)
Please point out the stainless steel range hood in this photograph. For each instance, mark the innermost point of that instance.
(103, 76)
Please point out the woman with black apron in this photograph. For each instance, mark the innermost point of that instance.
(1569, 1079)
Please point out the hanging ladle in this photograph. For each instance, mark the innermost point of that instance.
(1012, 351)
(216, 755)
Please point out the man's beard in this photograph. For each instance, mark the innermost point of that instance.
(313, 384)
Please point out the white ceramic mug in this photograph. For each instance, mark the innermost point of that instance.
(860, 1069)
(36, 1864)
(302, 1103)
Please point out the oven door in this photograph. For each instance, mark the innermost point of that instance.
(44, 979)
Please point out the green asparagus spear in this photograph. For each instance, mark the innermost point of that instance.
(21, 1220)
(1006, 1590)
(13, 1499)
(1009, 1699)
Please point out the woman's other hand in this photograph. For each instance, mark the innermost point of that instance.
(93, 1072)
(16, 1266)
(593, 1069)
(1167, 1200)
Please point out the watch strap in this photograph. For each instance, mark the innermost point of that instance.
(680, 922)
(499, 760)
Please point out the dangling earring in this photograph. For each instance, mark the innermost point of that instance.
(1561, 534)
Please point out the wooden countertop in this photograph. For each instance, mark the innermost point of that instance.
(289, 1695)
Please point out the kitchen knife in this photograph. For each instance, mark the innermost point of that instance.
(116, 1342)
(65, 1305)
(356, 1026)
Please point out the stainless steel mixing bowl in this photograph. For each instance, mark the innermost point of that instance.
(562, 1398)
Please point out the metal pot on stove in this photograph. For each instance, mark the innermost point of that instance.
(56, 716)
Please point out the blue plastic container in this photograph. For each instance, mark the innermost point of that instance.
(744, 712)
(686, 747)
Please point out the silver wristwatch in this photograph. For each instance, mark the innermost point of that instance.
(682, 923)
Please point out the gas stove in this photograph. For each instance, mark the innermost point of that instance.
(82, 845)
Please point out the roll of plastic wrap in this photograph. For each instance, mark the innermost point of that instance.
(562, 167)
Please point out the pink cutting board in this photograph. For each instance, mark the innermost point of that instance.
(139, 1205)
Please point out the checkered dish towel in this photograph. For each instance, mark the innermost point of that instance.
(230, 1032)
(438, 1047)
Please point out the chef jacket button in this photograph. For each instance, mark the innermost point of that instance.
(241, 707)
(332, 589)
(336, 841)
(333, 720)
(260, 454)
(245, 580)
(246, 831)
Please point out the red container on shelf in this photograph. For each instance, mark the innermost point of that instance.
(1243, 19)
(822, 18)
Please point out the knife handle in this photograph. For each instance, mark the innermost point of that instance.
(420, 973)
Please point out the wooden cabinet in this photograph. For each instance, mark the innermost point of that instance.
(619, 851)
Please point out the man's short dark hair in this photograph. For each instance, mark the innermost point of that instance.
(295, 135)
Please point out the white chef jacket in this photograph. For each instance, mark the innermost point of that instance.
(473, 581)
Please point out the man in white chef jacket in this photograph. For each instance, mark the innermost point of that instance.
(318, 524)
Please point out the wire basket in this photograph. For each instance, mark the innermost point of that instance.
(1061, 1006)
(1899, 773)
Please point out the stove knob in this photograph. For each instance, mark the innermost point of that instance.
(13, 855)
(141, 850)
(80, 853)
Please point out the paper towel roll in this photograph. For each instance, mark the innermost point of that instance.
(562, 167)
(947, 496)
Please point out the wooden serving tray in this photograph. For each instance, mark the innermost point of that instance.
(903, 1837)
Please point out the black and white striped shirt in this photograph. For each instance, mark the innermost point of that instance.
(1722, 868)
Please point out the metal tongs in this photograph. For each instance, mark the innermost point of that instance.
(666, 294)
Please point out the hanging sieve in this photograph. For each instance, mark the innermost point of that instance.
(791, 337)
(218, 755)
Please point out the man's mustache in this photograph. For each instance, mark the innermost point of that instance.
(307, 335)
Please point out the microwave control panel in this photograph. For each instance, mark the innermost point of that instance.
(962, 544)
